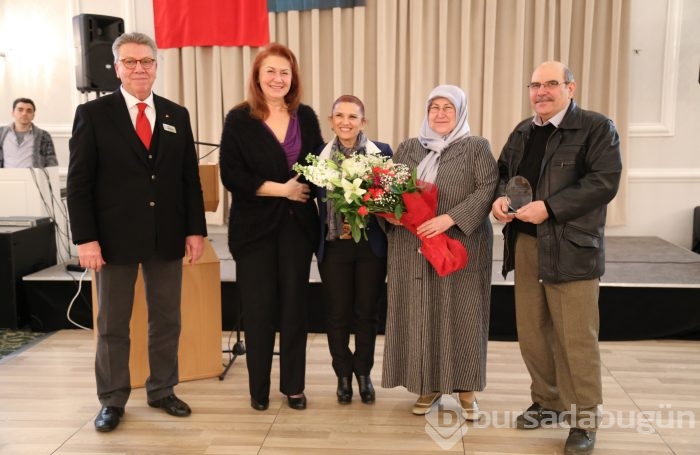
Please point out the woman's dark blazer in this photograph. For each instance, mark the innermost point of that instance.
(251, 155)
(375, 235)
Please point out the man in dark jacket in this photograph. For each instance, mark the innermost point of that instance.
(134, 198)
(571, 159)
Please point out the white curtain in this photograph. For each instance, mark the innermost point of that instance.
(391, 53)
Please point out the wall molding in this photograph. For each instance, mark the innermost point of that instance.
(669, 89)
(58, 130)
(670, 175)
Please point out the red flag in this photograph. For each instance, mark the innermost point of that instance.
(181, 23)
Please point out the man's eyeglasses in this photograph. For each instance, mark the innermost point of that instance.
(549, 85)
(130, 63)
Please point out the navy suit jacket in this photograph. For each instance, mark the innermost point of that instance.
(135, 202)
(375, 235)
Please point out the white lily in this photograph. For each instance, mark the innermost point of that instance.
(355, 166)
(352, 188)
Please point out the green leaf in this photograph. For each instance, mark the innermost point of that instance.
(356, 232)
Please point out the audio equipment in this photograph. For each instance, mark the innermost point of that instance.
(93, 36)
(23, 251)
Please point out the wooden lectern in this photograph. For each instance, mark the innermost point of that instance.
(200, 339)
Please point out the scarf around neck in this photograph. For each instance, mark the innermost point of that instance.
(362, 146)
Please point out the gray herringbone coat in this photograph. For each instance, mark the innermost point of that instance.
(437, 328)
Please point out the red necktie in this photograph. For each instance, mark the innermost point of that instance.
(143, 126)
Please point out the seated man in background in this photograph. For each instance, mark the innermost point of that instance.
(23, 144)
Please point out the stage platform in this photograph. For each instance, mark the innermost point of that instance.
(651, 289)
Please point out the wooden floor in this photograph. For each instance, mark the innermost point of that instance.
(47, 406)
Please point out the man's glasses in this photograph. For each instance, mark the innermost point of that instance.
(146, 63)
(549, 85)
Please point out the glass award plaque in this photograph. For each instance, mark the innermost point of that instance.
(518, 193)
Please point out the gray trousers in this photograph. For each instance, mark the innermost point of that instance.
(115, 291)
(558, 327)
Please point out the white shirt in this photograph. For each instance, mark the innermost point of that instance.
(555, 120)
(132, 102)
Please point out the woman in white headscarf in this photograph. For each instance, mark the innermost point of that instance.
(437, 327)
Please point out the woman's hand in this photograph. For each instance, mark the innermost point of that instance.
(393, 221)
(297, 191)
(435, 226)
(292, 189)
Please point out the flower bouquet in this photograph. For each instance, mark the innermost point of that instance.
(360, 185)
(372, 183)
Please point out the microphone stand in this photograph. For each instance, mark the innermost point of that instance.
(205, 143)
(216, 146)
(238, 347)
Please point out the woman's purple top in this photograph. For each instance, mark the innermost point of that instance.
(292, 141)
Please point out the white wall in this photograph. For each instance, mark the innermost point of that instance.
(664, 147)
(37, 40)
(664, 156)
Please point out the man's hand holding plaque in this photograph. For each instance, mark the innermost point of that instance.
(518, 193)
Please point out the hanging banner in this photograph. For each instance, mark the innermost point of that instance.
(280, 6)
(182, 23)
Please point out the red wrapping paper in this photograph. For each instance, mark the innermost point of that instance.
(444, 253)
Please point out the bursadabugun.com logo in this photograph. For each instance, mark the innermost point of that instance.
(446, 426)
(445, 422)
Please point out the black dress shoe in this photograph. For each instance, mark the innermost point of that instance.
(259, 405)
(172, 405)
(108, 418)
(298, 403)
(364, 383)
(535, 416)
(344, 391)
(579, 442)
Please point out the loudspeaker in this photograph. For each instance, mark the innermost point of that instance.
(93, 36)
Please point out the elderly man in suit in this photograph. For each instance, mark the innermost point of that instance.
(134, 197)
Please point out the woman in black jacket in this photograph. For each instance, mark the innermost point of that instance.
(273, 224)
